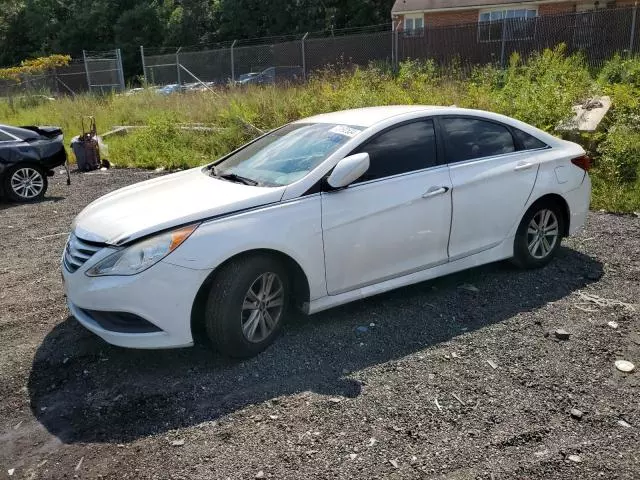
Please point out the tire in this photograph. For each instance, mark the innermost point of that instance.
(25, 183)
(539, 235)
(234, 327)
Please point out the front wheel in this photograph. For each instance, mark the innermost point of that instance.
(539, 235)
(25, 183)
(247, 305)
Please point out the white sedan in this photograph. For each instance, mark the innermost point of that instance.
(319, 213)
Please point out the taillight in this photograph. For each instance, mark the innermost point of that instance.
(583, 161)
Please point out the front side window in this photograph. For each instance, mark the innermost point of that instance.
(507, 24)
(469, 138)
(287, 154)
(402, 149)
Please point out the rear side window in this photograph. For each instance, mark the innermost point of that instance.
(403, 149)
(529, 142)
(469, 138)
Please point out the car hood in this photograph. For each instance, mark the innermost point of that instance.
(154, 205)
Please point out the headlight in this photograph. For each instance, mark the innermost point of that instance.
(141, 255)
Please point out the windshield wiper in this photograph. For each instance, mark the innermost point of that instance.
(234, 177)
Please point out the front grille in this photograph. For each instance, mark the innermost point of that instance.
(79, 251)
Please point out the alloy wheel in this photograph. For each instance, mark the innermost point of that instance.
(27, 182)
(542, 233)
(262, 307)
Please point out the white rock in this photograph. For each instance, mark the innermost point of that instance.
(10, 471)
(177, 443)
(575, 413)
(625, 366)
(624, 424)
(613, 324)
(574, 458)
(353, 456)
(260, 474)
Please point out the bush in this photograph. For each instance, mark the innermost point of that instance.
(620, 154)
(620, 70)
(543, 90)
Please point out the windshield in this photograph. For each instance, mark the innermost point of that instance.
(287, 154)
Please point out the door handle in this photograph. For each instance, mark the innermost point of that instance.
(523, 166)
(433, 191)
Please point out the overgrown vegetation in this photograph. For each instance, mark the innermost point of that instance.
(34, 66)
(540, 91)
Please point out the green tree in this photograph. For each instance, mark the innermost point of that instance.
(140, 25)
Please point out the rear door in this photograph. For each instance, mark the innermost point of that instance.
(395, 219)
(492, 175)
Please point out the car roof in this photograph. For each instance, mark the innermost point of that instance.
(369, 116)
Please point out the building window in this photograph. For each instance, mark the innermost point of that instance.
(413, 25)
(510, 24)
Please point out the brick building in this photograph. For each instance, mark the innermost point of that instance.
(414, 16)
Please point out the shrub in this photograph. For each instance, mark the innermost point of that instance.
(620, 70)
(543, 90)
(620, 154)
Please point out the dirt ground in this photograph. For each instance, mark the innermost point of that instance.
(458, 378)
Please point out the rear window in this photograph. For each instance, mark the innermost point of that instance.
(21, 133)
(5, 138)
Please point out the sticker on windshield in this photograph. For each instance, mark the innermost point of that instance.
(345, 130)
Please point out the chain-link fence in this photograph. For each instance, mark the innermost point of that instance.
(96, 72)
(68, 80)
(104, 71)
(264, 61)
(598, 34)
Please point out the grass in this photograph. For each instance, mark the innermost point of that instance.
(540, 91)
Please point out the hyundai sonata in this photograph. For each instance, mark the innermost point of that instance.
(317, 213)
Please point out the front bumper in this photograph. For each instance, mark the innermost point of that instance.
(162, 295)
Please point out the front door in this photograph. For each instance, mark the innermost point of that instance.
(394, 220)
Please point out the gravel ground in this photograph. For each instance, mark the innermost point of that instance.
(458, 378)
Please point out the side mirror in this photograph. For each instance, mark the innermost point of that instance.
(348, 170)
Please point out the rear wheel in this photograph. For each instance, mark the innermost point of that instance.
(247, 305)
(539, 235)
(25, 183)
